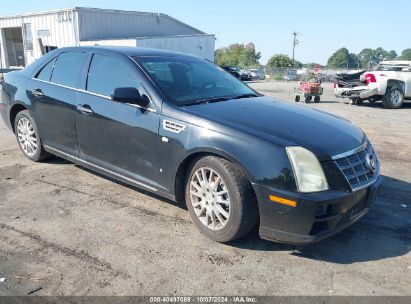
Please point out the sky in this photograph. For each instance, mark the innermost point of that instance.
(323, 26)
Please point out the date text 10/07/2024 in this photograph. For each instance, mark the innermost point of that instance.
(175, 299)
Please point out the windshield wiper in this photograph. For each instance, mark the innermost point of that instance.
(207, 100)
(217, 99)
(248, 95)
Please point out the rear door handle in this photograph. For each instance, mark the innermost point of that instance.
(37, 93)
(86, 109)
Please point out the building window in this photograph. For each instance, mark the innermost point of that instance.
(43, 33)
(28, 36)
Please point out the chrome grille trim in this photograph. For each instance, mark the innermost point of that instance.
(355, 168)
(353, 151)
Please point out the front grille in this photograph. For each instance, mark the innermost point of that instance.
(360, 168)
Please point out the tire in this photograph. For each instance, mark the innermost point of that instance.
(307, 99)
(317, 99)
(297, 98)
(393, 98)
(26, 132)
(241, 212)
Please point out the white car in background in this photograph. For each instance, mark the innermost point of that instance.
(390, 82)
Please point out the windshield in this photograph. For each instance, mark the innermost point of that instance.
(187, 81)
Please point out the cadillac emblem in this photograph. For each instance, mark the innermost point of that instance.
(371, 162)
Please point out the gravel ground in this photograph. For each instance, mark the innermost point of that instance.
(67, 231)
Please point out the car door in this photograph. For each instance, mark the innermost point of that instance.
(118, 137)
(52, 92)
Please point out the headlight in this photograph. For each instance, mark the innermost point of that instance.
(307, 169)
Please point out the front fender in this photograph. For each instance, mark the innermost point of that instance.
(262, 162)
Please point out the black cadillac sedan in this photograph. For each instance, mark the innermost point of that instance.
(181, 127)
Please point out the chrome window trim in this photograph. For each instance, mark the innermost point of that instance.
(150, 109)
(101, 168)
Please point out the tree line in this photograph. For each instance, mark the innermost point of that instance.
(366, 58)
(245, 55)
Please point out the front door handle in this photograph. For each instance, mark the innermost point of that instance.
(86, 109)
(37, 93)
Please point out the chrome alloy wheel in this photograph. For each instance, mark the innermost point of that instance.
(26, 136)
(210, 198)
(395, 97)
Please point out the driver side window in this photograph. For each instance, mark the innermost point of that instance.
(107, 73)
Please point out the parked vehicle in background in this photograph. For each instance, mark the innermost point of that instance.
(349, 85)
(390, 82)
(246, 75)
(180, 127)
(233, 71)
(291, 75)
(257, 74)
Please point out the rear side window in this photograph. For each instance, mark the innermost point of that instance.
(45, 72)
(107, 73)
(68, 69)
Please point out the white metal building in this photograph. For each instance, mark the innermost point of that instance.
(20, 45)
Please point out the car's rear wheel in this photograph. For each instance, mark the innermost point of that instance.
(317, 99)
(393, 98)
(28, 137)
(307, 99)
(220, 199)
(297, 98)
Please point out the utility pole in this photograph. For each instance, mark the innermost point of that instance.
(295, 42)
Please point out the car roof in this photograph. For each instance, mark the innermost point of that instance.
(396, 62)
(120, 50)
(126, 50)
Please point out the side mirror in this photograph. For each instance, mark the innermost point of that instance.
(130, 95)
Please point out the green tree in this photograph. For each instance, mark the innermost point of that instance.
(313, 64)
(391, 55)
(405, 55)
(298, 64)
(365, 56)
(280, 61)
(241, 55)
(342, 58)
(372, 56)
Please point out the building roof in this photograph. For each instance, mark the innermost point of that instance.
(97, 10)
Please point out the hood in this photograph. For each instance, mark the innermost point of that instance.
(281, 121)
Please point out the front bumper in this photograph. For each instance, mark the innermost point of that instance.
(316, 216)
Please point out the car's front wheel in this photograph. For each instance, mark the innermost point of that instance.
(393, 98)
(220, 199)
(28, 137)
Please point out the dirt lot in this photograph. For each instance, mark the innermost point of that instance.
(68, 231)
